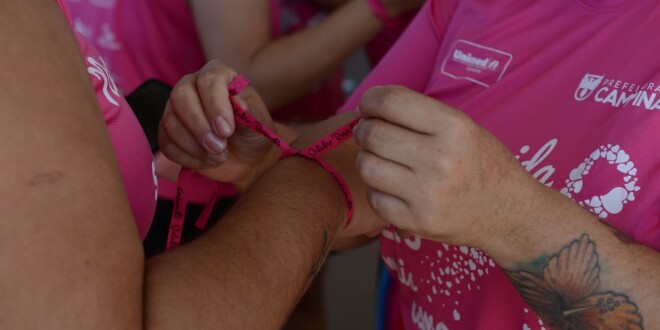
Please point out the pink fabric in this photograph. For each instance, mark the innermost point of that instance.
(131, 149)
(142, 40)
(564, 86)
(377, 47)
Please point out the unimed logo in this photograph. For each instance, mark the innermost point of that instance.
(477, 63)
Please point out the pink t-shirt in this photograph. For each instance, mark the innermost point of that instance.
(130, 145)
(572, 88)
(141, 39)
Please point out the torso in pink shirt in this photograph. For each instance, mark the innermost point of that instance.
(129, 143)
(572, 88)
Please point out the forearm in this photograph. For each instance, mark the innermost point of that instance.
(584, 269)
(282, 70)
(249, 270)
(286, 133)
(290, 67)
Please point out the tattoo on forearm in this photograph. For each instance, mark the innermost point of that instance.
(564, 291)
(324, 253)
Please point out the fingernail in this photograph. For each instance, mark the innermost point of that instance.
(214, 144)
(221, 126)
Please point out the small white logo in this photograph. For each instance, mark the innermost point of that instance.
(587, 86)
(99, 70)
(477, 63)
(619, 93)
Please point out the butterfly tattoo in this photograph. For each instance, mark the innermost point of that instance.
(566, 296)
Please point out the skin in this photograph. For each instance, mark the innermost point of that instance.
(248, 154)
(55, 262)
(212, 271)
(75, 259)
(214, 280)
(433, 172)
(247, 45)
(239, 33)
(421, 181)
(186, 128)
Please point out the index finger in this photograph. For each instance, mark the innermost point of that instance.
(213, 82)
(406, 108)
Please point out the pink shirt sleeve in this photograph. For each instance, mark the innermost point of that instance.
(410, 61)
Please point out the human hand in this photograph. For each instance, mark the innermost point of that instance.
(433, 172)
(342, 158)
(198, 129)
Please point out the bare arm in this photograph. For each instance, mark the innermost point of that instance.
(250, 269)
(574, 271)
(70, 254)
(239, 33)
(580, 272)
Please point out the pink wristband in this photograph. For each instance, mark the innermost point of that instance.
(315, 151)
(179, 210)
(319, 148)
(381, 13)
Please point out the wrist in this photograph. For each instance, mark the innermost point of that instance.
(266, 162)
(329, 143)
(269, 159)
(547, 216)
